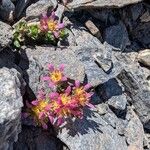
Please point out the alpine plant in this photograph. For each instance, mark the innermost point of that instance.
(66, 101)
(48, 31)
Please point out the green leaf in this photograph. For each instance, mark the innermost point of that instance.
(17, 44)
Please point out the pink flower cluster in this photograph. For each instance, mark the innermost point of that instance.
(51, 24)
(67, 101)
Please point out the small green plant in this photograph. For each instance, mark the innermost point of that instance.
(48, 30)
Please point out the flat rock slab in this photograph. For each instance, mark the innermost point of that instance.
(34, 64)
(75, 4)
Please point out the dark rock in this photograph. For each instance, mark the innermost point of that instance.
(21, 5)
(7, 9)
(117, 36)
(36, 138)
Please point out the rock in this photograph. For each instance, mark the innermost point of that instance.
(76, 4)
(144, 57)
(145, 17)
(137, 92)
(94, 73)
(21, 5)
(83, 37)
(7, 9)
(34, 63)
(105, 15)
(118, 102)
(41, 6)
(93, 29)
(92, 132)
(60, 11)
(5, 35)
(10, 106)
(134, 132)
(36, 138)
(117, 36)
(141, 34)
(136, 11)
(104, 59)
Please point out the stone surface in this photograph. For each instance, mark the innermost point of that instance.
(41, 6)
(10, 106)
(5, 35)
(103, 132)
(134, 132)
(118, 102)
(76, 4)
(93, 29)
(120, 33)
(34, 63)
(94, 73)
(138, 93)
(141, 34)
(144, 57)
(7, 10)
(92, 132)
(20, 6)
(36, 138)
(83, 37)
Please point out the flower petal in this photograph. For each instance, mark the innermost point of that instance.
(34, 102)
(53, 95)
(68, 90)
(28, 104)
(61, 67)
(77, 83)
(53, 16)
(87, 86)
(51, 67)
(44, 125)
(45, 78)
(60, 26)
(56, 34)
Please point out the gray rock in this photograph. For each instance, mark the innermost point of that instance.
(36, 138)
(10, 106)
(5, 35)
(7, 10)
(42, 6)
(83, 37)
(117, 36)
(138, 92)
(34, 63)
(95, 74)
(104, 59)
(144, 57)
(134, 132)
(145, 17)
(76, 4)
(118, 102)
(92, 132)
